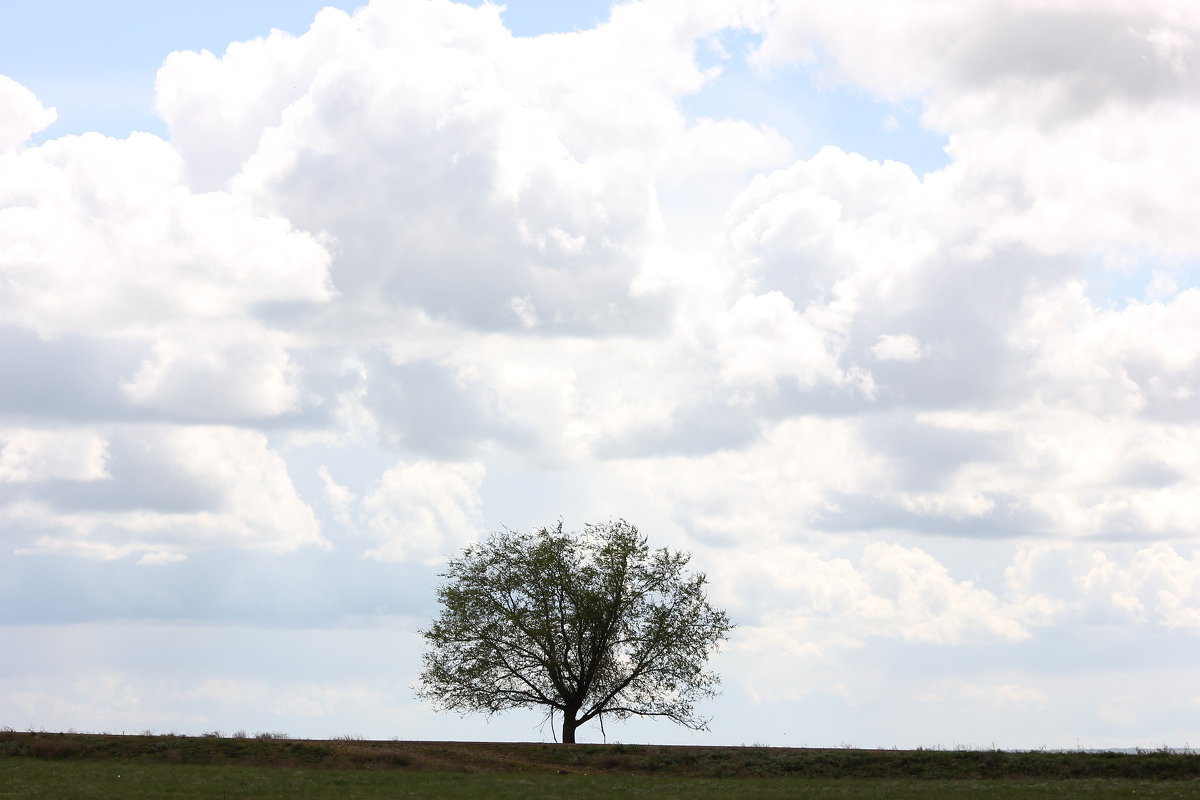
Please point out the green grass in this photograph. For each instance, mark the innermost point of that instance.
(69, 766)
(621, 759)
(36, 779)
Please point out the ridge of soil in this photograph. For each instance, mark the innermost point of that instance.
(622, 759)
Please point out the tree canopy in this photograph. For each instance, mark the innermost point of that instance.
(585, 624)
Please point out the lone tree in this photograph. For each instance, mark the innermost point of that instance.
(585, 624)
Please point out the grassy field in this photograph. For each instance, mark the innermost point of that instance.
(35, 779)
(69, 766)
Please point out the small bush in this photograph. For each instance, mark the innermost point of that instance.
(616, 761)
(53, 748)
(381, 758)
(395, 759)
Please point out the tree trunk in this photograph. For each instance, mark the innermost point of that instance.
(568, 728)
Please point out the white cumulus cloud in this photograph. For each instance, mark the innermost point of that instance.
(423, 510)
(21, 114)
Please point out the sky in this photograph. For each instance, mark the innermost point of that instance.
(888, 313)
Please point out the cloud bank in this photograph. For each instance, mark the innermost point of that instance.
(407, 277)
